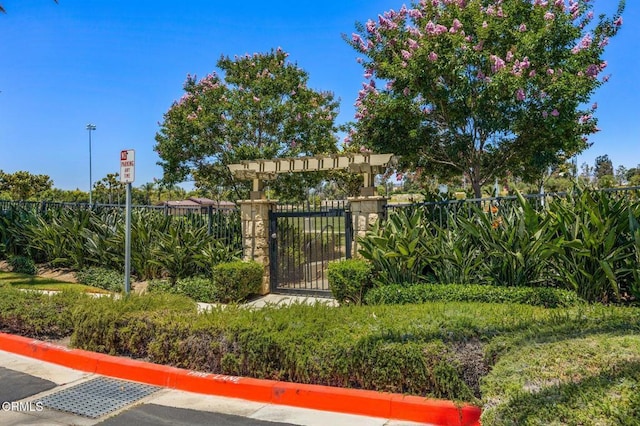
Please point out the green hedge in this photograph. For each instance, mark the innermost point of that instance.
(349, 280)
(231, 282)
(421, 293)
(235, 281)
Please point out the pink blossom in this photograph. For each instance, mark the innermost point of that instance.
(594, 106)
(550, 71)
(478, 47)
(405, 91)
(371, 26)
(509, 56)
(413, 45)
(532, 73)
(433, 56)
(415, 13)
(549, 16)
(455, 26)
(498, 63)
(606, 78)
(555, 113)
(256, 99)
(592, 70)
(584, 118)
(484, 24)
(406, 55)
(356, 38)
(545, 114)
(604, 42)
(522, 28)
(520, 95)
(618, 22)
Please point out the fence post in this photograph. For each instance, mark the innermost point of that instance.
(210, 220)
(255, 235)
(365, 211)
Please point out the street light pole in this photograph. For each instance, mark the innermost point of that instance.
(90, 127)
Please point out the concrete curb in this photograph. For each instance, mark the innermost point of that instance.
(327, 398)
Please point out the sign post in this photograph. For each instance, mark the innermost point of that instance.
(127, 175)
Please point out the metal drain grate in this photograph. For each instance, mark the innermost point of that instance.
(97, 397)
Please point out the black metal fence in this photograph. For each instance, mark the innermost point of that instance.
(439, 211)
(223, 223)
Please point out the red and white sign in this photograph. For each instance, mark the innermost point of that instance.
(127, 166)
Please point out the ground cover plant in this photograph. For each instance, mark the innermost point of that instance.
(522, 364)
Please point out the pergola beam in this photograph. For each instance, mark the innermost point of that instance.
(261, 170)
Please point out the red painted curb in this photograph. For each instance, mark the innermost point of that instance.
(351, 401)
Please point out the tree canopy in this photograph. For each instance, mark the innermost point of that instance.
(482, 87)
(23, 185)
(260, 108)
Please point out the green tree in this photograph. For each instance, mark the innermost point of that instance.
(262, 108)
(480, 87)
(23, 185)
(603, 171)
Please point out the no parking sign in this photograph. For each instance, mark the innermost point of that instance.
(127, 166)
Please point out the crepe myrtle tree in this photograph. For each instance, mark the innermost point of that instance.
(261, 108)
(482, 87)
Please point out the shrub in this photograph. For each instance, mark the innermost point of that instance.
(38, 315)
(23, 265)
(349, 280)
(200, 289)
(105, 324)
(107, 279)
(235, 281)
(421, 293)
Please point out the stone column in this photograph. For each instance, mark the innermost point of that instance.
(255, 235)
(364, 212)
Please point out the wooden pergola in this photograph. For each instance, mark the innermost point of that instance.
(259, 171)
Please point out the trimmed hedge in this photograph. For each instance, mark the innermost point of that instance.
(349, 280)
(232, 282)
(235, 281)
(421, 293)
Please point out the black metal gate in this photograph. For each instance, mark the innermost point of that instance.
(303, 242)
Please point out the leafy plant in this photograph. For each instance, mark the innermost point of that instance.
(396, 248)
(23, 265)
(107, 279)
(594, 240)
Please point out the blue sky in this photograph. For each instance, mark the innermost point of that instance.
(120, 64)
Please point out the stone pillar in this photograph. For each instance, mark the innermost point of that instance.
(364, 212)
(255, 235)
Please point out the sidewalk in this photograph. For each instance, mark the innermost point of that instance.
(41, 380)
